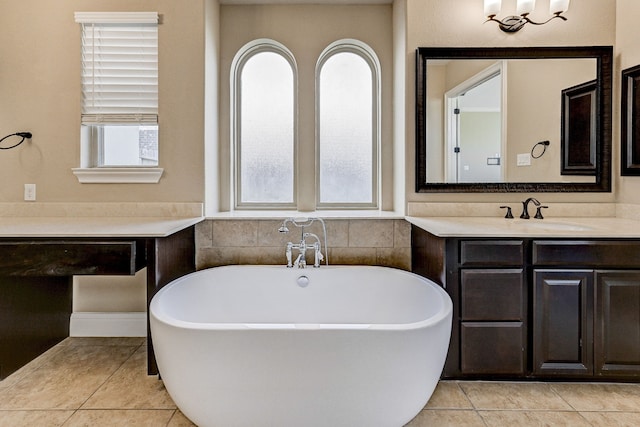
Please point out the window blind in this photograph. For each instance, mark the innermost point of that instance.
(119, 67)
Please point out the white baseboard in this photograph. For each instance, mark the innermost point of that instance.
(87, 324)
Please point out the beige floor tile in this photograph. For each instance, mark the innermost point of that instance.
(448, 395)
(18, 375)
(180, 420)
(601, 396)
(513, 395)
(119, 418)
(34, 418)
(131, 388)
(617, 419)
(533, 418)
(106, 378)
(446, 418)
(67, 379)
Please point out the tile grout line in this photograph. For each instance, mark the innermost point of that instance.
(473, 406)
(136, 348)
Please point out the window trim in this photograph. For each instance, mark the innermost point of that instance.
(243, 55)
(368, 54)
(119, 175)
(90, 171)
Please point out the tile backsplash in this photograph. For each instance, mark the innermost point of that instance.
(385, 242)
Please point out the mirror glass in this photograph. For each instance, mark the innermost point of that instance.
(492, 119)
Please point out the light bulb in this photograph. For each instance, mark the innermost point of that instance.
(492, 7)
(525, 7)
(558, 6)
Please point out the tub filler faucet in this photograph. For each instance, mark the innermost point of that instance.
(303, 246)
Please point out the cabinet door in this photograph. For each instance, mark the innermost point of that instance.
(494, 348)
(492, 294)
(562, 329)
(617, 326)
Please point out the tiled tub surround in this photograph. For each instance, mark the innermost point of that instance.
(384, 242)
(103, 382)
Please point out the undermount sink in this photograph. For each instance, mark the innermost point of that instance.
(555, 225)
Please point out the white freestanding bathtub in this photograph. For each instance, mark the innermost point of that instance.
(355, 346)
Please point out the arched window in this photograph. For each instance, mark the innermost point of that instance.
(348, 125)
(263, 87)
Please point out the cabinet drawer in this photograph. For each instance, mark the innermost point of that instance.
(492, 294)
(587, 253)
(505, 253)
(493, 348)
(67, 258)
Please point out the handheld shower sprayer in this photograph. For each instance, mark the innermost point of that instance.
(298, 222)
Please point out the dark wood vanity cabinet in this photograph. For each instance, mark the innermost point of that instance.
(537, 308)
(493, 329)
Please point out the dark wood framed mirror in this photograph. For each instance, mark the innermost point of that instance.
(630, 121)
(449, 77)
(578, 137)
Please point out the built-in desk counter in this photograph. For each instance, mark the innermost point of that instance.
(40, 255)
(551, 298)
(70, 227)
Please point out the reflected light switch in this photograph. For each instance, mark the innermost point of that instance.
(524, 159)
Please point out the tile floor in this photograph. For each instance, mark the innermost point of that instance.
(103, 382)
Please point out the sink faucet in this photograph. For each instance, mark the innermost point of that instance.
(525, 207)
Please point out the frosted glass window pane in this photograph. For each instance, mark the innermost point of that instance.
(266, 130)
(346, 130)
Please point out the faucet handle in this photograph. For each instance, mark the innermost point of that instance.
(508, 208)
(538, 214)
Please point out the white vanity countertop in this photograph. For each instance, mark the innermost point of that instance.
(14, 227)
(568, 227)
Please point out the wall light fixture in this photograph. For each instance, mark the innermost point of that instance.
(513, 23)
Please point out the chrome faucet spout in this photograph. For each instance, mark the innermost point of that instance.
(300, 262)
(525, 207)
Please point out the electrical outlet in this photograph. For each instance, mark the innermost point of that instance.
(30, 192)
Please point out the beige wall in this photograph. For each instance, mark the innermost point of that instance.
(627, 53)
(40, 87)
(460, 23)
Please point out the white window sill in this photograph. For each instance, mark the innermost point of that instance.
(118, 175)
(333, 214)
